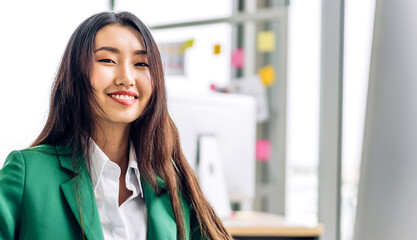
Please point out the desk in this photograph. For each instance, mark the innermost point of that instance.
(265, 226)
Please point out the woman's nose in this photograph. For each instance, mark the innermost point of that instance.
(125, 76)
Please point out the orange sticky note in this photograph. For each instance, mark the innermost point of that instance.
(238, 58)
(267, 75)
(217, 49)
(266, 41)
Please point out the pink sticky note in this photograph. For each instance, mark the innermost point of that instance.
(238, 57)
(263, 150)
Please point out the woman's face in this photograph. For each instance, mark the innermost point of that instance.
(120, 74)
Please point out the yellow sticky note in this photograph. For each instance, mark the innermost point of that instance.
(188, 44)
(217, 49)
(267, 75)
(266, 41)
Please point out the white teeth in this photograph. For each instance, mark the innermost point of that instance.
(123, 97)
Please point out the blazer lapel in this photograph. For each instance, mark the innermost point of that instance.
(161, 218)
(84, 203)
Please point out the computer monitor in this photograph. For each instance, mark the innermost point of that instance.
(231, 119)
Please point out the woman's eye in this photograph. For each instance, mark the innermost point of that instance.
(141, 64)
(106, 60)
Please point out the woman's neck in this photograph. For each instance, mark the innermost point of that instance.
(113, 140)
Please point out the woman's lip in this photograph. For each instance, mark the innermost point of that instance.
(126, 102)
(124, 93)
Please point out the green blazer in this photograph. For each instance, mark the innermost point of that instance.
(38, 200)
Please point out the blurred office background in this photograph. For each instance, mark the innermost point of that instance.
(311, 56)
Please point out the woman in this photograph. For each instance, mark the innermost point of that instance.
(108, 163)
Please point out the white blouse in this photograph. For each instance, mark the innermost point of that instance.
(129, 221)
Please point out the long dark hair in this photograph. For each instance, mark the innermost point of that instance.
(154, 135)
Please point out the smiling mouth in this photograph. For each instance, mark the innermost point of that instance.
(126, 98)
(122, 97)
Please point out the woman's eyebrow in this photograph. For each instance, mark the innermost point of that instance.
(140, 52)
(115, 50)
(105, 48)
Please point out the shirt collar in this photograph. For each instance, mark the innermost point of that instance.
(133, 168)
(98, 160)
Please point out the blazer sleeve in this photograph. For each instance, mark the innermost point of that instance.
(12, 177)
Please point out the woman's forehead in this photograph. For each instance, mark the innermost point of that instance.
(117, 35)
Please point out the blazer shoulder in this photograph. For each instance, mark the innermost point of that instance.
(33, 157)
(40, 151)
